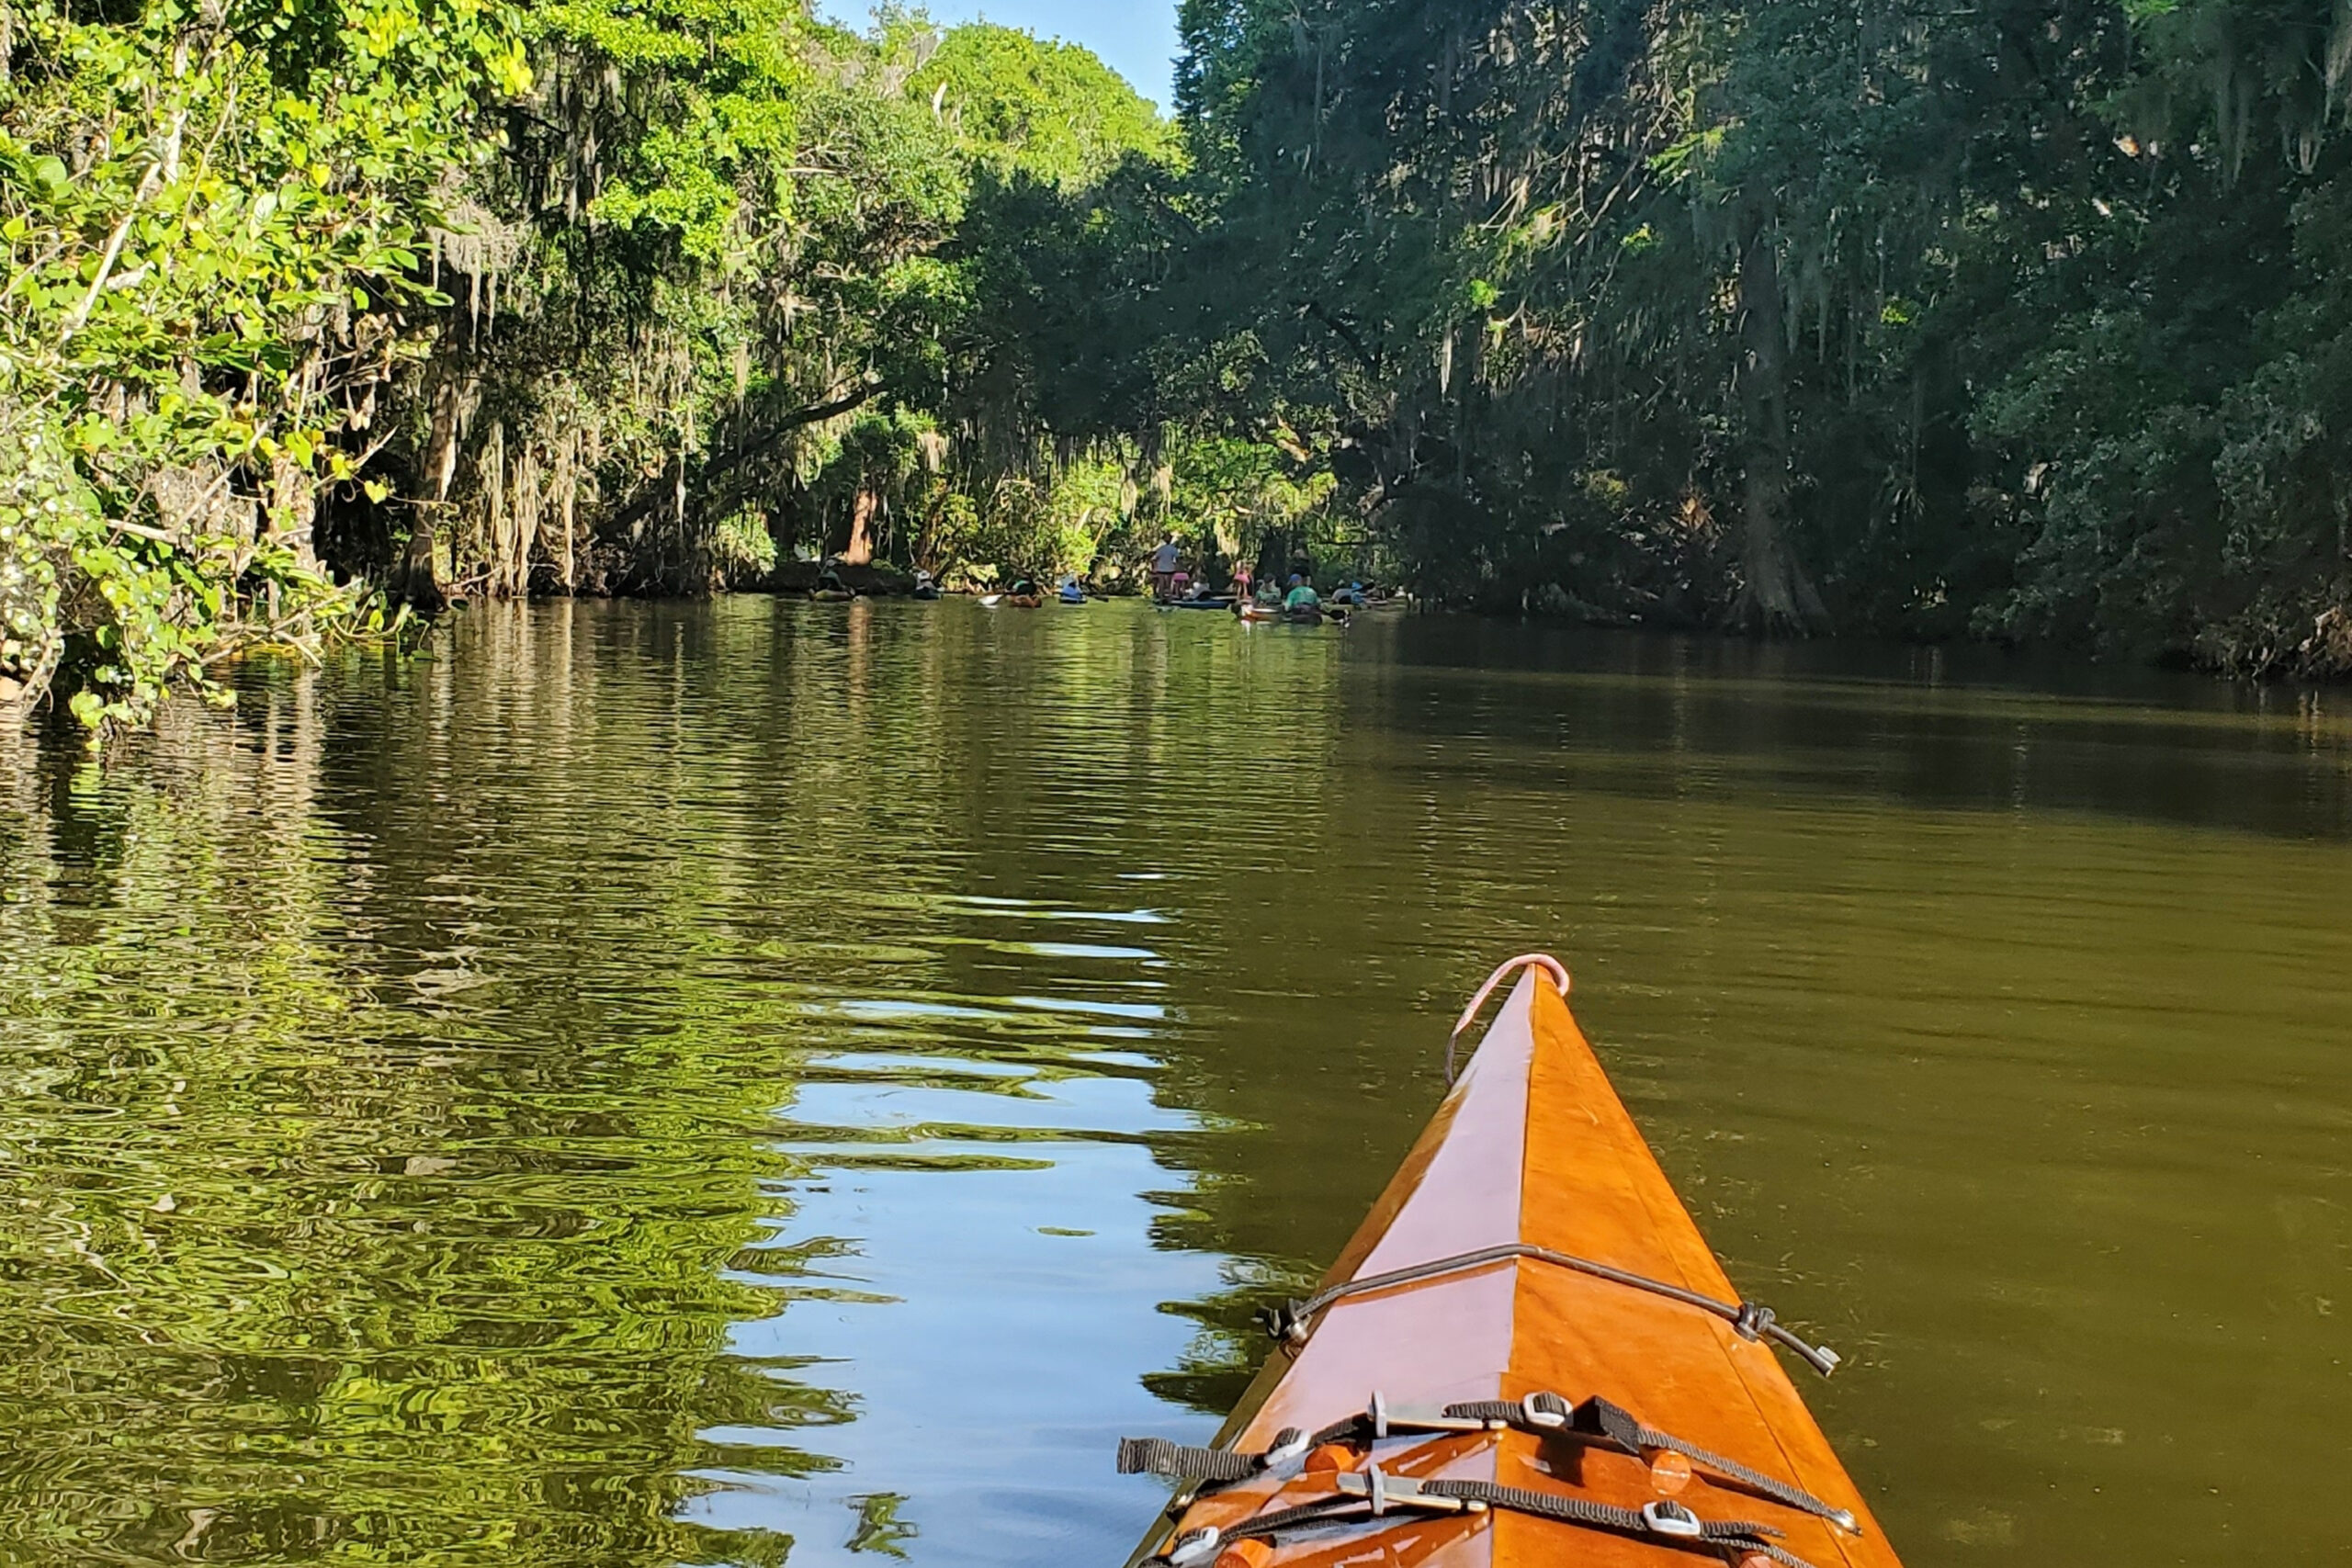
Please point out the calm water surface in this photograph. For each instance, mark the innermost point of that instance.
(763, 1082)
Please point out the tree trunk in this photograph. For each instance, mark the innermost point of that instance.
(1775, 596)
(719, 500)
(291, 511)
(1274, 556)
(415, 579)
(861, 528)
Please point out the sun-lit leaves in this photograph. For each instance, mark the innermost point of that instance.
(1049, 111)
(212, 230)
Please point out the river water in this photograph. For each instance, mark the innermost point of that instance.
(758, 1081)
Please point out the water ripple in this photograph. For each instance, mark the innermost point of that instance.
(649, 1084)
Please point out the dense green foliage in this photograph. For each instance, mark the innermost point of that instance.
(2002, 322)
(1050, 111)
(213, 222)
(2008, 319)
(606, 295)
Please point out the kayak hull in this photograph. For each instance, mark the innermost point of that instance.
(1532, 1148)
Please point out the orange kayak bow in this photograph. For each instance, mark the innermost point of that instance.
(1527, 1357)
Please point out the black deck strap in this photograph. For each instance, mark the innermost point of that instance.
(1332, 1510)
(1722, 1536)
(1177, 1462)
(1291, 1322)
(1726, 1538)
(1354, 1431)
(1367, 1426)
(1597, 1418)
(1338, 1509)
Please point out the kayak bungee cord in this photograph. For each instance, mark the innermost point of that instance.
(1543, 1414)
(1597, 1420)
(1750, 1319)
(1373, 1495)
(1290, 1322)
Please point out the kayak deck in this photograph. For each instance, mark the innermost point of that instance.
(1533, 1150)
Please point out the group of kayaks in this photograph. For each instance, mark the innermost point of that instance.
(1248, 612)
(1027, 595)
(1527, 1356)
(1254, 614)
(1337, 610)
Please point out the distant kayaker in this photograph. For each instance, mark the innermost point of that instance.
(1301, 595)
(1241, 578)
(1164, 563)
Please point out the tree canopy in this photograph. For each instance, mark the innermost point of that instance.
(2007, 321)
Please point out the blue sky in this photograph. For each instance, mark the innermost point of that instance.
(1136, 38)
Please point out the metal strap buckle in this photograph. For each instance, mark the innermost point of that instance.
(1194, 1548)
(1673, 1519)
(1290, 1443)
(1545, 1410)
(1385, 1491)
(1387, 1420)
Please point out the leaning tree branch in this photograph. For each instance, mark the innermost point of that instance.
(652, 497)
(1340, 329)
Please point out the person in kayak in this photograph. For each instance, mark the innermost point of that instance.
(1301, 596)
(1164, 562)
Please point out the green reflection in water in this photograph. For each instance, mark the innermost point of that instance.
(727, 1083)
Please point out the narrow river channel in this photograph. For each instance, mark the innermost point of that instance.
(760, 1082)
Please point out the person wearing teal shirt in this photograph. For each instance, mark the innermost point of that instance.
(1301, 595)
